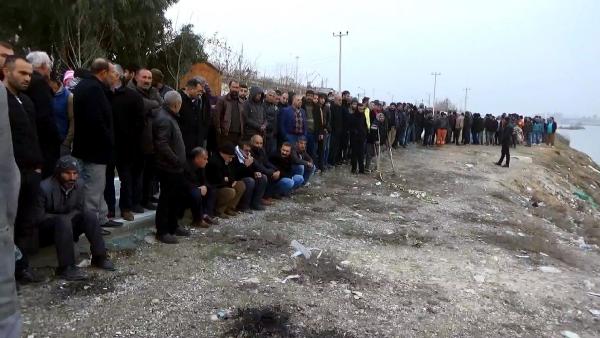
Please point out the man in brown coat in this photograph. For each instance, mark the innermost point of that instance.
(228, 119)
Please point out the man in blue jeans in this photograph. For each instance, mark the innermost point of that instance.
(290, 179)
(305, 165)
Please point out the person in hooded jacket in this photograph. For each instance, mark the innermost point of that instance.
(337, 131)
(271, 114)
(253, 112)
(468, 120)
(357, 127)
(506, 135)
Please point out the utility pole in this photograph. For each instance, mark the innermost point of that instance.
(435, 75)
(340, 35)
(429, 99)
(466, 94)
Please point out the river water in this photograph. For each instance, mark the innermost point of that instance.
(585, 140)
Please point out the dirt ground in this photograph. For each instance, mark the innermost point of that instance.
(484, 252)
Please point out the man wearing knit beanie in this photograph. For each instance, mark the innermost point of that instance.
(64, 218)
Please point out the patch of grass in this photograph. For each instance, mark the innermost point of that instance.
(402, 237)
(501, 196)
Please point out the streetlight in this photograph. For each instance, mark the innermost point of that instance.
(435, 75)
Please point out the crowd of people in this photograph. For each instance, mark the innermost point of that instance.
(179, 149)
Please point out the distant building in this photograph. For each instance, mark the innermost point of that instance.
(207, 71)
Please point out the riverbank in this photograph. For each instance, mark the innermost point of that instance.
(449, 245)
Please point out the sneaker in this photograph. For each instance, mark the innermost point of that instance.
(505, 166)
(150, 206)
(27, 276)
(182, 232)
(127, 215)
(138, 209)
(71, 273)
(112, 224)
(498, 163)
(105, 232)
(258, 207)
(102, 262)
(167, 239)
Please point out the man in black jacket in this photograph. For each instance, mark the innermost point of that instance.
(128, 117)
(220, 174)
(337, 131)
(254, 180)
(271, 113)
(170, 162)
(64, 218)
(28, 156)
(506, 140)
(192, 122)
(142, 83)
(285, 162)
(93, 141)
(202, 196)
(42, 96)
(357, 127)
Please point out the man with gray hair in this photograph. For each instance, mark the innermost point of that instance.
(41, 94)
(170, 162)
(128, 121)
(94, 141)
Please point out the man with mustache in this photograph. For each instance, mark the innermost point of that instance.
(64, 218)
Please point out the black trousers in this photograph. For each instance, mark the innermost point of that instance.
(255, 191)
(456, 135)
(130, 175)
(26, 234)
(505, 153)
(357, 146)
(62, 230)
(172, 194)
(335, 152)
(148, 179)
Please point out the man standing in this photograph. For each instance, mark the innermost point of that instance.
(93, 141)
(192, 121)
(550, 132)
(170, 162)
(337, 131)
(271, 113)
(10, 318)
(243, 92)
(324, 137)
(358, 138)
(142, 83)
(42, 96)
(293, 121)
(458, 127)
(228, 119)
(255, 121)
(128, 116)
(157, 82)
(505, 140)
(28, 156)
(313, 122)
(64, 219)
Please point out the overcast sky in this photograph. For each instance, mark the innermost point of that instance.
(538, 56)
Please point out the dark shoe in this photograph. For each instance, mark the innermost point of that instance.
(105, 232)
(245, 211)
(110, 215)
(258, 207)
(498, 163)
(71, 273)
(27, 276)
(210, 220)
(153, 200)
(102, 262)
(276, 197)
(138, 209)
(200, 224)
(150, 206)
(127, 215)
(231, 213)
(182, 232)
(223, 216)
(267, 201)
(167, 239)
(505, 166)
(112, 224)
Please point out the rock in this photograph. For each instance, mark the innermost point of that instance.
(479, 278)
(569, 334)
(394, 195)
(595, 312)
(85, 287)
(155, 301)
(214, 318)
(469, 165)
(252, 280)
(378, 183)
(345, 263)
(549, 269)
(588, 285)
